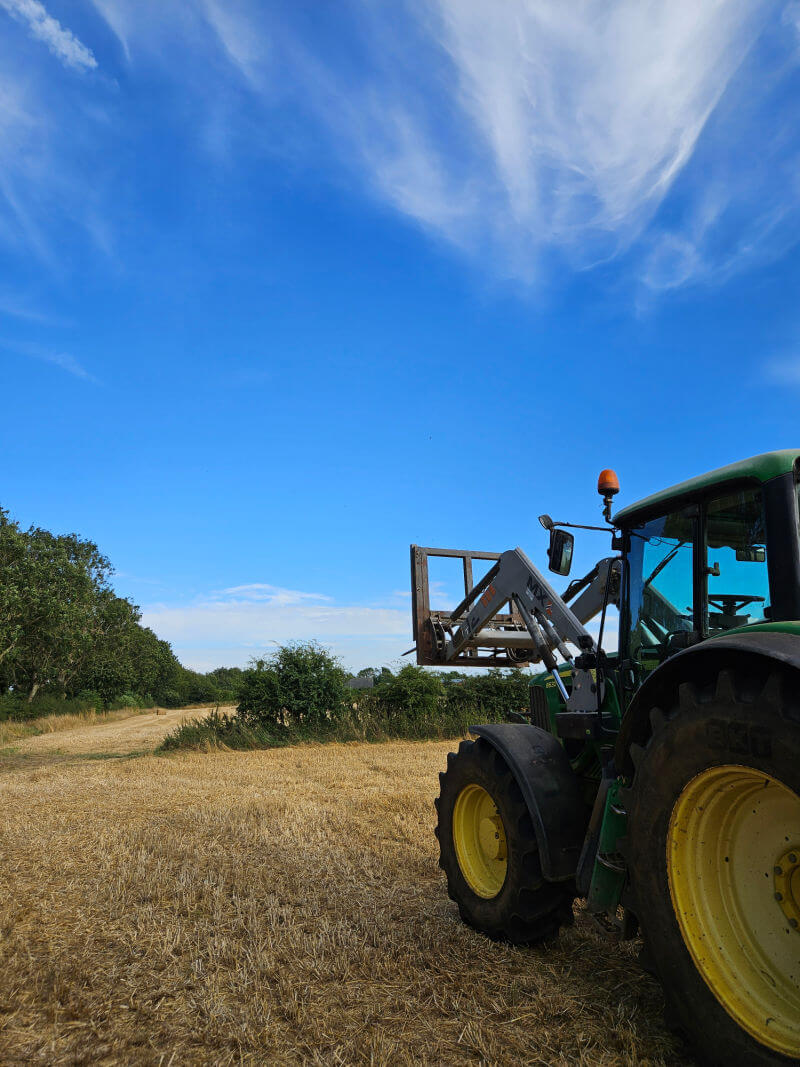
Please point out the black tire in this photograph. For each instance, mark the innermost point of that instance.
(729, 721)
(527, 908)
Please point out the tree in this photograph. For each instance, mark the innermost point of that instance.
(228, 681)
(129, 658)
(15, 588)
(56, 588)
(380, 674)
(112, 664)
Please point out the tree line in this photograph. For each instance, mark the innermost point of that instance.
(65, 636)
(69, 643)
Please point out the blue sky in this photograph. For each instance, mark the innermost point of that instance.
(285, 287)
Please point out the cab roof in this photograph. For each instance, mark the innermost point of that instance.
(756, 469)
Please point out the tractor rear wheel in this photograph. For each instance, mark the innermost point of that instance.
(489, 853)
(714, 858)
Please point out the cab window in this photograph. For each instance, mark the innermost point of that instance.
(661, 588)
(736, 547)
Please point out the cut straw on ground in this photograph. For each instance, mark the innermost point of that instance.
(281, 906)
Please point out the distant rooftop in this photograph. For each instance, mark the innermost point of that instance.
(367, 682)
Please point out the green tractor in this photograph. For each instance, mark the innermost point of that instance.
(659, 782)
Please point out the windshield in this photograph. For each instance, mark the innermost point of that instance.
(661, 587)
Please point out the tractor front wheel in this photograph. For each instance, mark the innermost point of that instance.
(714, 859)
(489, 853)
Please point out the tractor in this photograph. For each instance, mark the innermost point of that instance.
(659, 781)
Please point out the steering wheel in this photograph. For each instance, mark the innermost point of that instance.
(732, 603)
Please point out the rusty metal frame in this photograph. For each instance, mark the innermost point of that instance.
(425, 621)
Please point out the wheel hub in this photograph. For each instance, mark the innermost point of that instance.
(787, 885)
(492, 837)
(480, 841)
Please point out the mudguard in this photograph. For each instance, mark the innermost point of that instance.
(551, 791)
(715, 654)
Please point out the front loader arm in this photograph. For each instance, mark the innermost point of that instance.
(537, 625)
(586, 596)
(514, 579)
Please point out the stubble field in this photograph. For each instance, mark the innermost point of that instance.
(272, 907)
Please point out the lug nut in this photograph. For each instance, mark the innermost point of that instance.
(779, 896)
(777, 870)
(792, 858)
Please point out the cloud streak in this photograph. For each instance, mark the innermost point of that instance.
(247, 620)
(579, 117)
(527, 133)
(783, 371)
(534, 136)
(62, 43)
(566, 127)
(268, 594)
(62, 360)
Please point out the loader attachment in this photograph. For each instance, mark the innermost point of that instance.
(507, 644)
(510, 617)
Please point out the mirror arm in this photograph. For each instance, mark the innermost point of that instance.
(580, 526)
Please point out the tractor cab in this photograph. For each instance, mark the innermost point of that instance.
(709, 556)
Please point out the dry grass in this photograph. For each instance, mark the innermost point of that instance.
(117, 732)
(280, 906)
(50, 724)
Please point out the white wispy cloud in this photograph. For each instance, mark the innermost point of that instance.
(584, 114)
(566, 126)
(18, 306)
(248, 620)
(270, 594)
(784, 370)
(791, 18)
(62, 42)
(44, 354)
(239, 36)
(531, 135)
(519, 131)
(52, 179)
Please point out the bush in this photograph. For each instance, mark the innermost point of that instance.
(488, 697)
(15, 707)
(129, 700)
(420, 703)
(409, 704)
(216, 730)
(301, 688)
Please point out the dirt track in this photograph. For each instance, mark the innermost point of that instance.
(141, 732)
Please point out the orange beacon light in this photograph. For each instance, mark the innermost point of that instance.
(607, 487)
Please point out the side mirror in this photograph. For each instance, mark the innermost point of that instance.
(560, 551)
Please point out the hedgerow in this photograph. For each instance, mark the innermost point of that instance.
(300, 695)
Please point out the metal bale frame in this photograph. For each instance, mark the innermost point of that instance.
(426, 622)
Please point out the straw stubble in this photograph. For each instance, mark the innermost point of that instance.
(281, 906)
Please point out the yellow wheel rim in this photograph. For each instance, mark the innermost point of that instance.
(733, 860)
(480, 841)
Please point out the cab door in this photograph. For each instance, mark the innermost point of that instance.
(661, 567)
